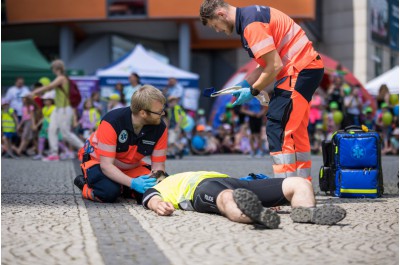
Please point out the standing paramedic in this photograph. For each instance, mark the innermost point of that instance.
(112, 163)
(284, 54)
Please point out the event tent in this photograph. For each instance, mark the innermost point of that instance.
(22, 58)
(390, 79)
(151, 71)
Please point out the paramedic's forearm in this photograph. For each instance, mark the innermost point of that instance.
(115, 174)
(253, 76)
(269, 73)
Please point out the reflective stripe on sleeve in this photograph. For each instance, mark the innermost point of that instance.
(106, 147)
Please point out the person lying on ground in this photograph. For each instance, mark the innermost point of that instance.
(239, 200)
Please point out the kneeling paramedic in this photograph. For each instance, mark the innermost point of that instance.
(239, 200)
(112, 157)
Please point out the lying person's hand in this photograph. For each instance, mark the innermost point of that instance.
(164, 208)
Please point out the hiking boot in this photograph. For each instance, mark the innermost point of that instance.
(324, 215)
(79, 181)
(248, 202)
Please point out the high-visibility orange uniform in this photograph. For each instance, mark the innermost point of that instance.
(262, 30)
(115, 138)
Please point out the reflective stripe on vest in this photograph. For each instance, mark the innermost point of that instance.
(298, 46)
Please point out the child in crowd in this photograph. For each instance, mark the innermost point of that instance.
(394, 142)
(9, 123)
(333, 119)
(212, 142)
(384, 126)
(242, 139)
(199, 141)
(30, 114)
(96, 102)
(318, 137)
(369, 119)
(201, 118)
(44, 122)
(89, 120)
(114, 102)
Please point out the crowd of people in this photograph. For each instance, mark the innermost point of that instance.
(26, 120)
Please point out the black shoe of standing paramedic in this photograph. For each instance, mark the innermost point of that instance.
(124, 137)
(285, 55)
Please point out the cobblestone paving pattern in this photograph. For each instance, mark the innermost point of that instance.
(42, 221)
(45, 221)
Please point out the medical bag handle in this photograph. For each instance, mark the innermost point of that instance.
(353, 128)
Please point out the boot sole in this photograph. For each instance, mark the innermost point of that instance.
(325, 215)
(251, 206)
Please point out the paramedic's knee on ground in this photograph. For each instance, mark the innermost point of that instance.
(299, 192)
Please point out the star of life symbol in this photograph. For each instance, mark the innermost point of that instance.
(123, 136)
(358, 152)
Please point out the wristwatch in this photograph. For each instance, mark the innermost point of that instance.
(254, 91)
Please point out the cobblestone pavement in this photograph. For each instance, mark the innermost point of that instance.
(45, 221)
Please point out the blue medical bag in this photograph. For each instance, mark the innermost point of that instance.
(352, 164)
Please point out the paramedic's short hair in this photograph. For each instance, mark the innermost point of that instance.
(142, 99)
(208, 8)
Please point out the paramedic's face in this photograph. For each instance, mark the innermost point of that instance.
(155, 114)
(220, 24)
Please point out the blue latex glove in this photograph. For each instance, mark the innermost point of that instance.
(253, 176)
(243, 95)
(142, 183)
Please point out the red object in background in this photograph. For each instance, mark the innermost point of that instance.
(330, 67)
(38, 101)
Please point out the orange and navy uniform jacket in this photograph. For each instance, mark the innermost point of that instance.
(263, 29)
(115, 138)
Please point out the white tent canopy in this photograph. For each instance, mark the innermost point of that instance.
(147, 67)
(390, 79)
(151, 71)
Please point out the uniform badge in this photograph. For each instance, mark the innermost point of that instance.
(123, 136)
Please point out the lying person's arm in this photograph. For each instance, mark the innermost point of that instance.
(153, 201)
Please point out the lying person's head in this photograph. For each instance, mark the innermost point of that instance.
(159, 175)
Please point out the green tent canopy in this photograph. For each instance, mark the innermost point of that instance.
(22, 58)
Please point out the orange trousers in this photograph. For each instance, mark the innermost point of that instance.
(288, 116)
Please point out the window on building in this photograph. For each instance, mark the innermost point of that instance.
(378, 58)
(126, 8)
